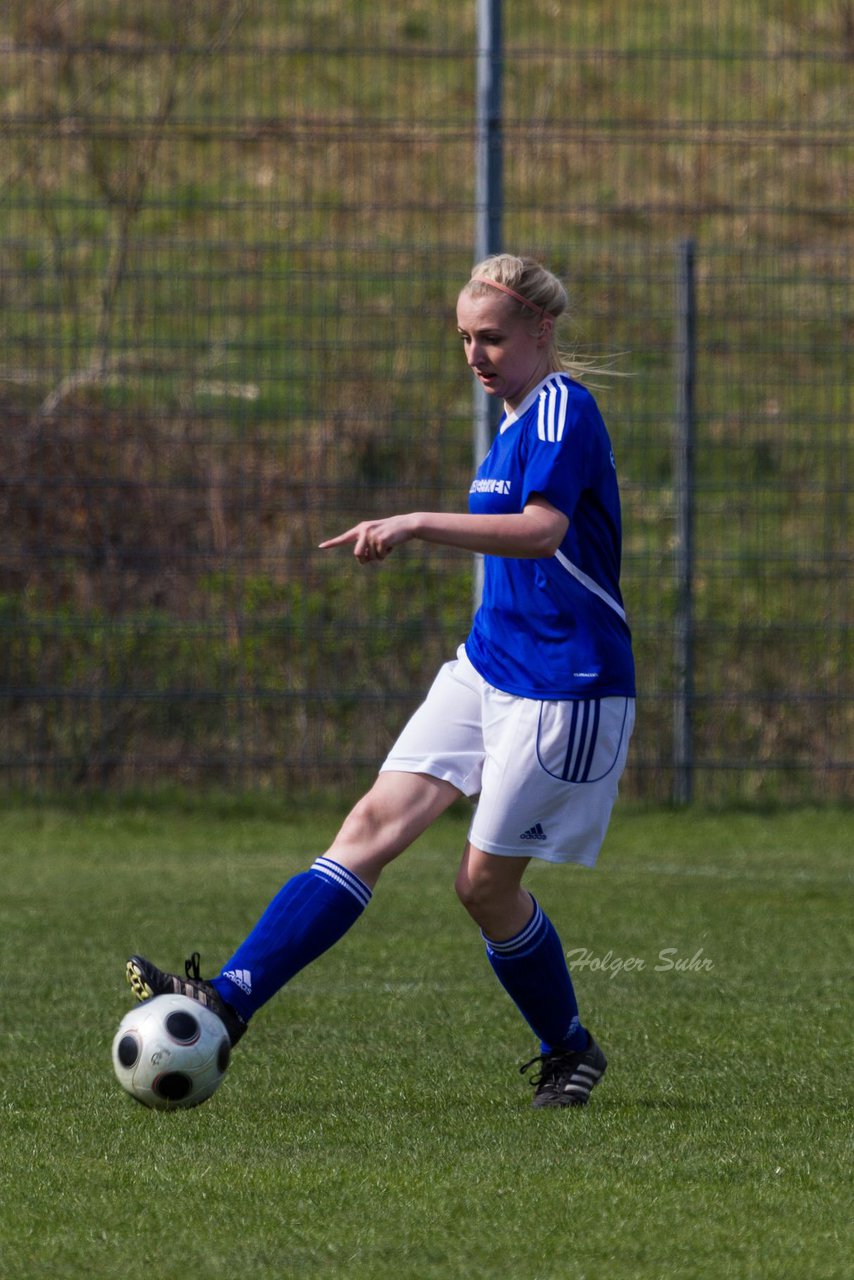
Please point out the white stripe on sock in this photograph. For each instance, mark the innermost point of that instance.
(522, 939)
(341, 876)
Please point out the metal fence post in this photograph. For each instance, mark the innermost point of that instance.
(683, 484)
(488, 206)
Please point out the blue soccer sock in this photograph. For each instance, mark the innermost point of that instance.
(532, 970)
(307, 916)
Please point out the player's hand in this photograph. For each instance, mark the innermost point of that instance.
(374, 539)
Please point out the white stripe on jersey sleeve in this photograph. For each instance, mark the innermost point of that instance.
(563, 391)
(551, 412)
(541, 415)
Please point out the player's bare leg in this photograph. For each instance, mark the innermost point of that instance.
(398, 809)
(315, 908)
(490, 889)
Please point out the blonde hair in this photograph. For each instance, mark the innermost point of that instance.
(532, 287)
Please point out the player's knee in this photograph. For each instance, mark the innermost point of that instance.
(363, 826)
(477, 893)
(495, 900)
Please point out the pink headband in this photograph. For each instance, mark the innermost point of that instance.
(505, 288)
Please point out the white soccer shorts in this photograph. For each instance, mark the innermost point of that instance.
(546, 773)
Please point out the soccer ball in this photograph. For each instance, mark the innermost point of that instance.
(170, 1052)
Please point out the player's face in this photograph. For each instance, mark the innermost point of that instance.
(506, 352)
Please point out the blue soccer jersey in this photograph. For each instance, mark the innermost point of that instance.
(554, 628)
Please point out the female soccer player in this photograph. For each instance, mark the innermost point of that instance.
(533, 716)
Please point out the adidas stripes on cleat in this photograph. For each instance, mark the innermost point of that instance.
(147, 981)
(566, 1077)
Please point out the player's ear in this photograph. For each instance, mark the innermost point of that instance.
(545, 330)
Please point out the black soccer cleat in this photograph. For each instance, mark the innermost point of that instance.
(566, 1077)
(147, 981)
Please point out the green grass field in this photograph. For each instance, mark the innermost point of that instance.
(373, 1123)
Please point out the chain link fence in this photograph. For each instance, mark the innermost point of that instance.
(232, 236)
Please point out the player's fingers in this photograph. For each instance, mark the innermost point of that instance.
(341, 539)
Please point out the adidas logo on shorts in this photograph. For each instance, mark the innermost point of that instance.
(534, 833)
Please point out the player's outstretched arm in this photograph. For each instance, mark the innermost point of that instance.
(536, 531)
